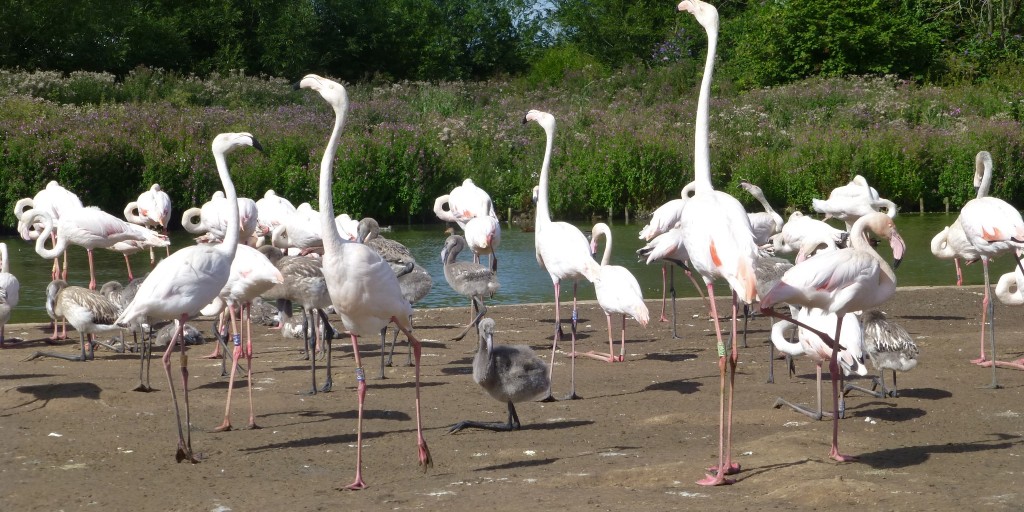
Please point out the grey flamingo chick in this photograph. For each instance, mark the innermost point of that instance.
(304, 283)
(122, 296)
(467, 278)
(890, 347)
(509, 373)
(86, 310)
(392, 251)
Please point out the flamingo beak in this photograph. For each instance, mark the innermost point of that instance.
(898, 247)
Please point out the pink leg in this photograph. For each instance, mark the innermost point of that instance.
(424, 452)
(128, 264)
(959, 275)
(92, 271)
(730, 467)
(622, 344)
(984, 315)
(358, 483)
(609, 357)
(572, 362)
(717, 475)
(184, 448)
(248, 362)
(235, 354)
(555, 339)
(834, 370)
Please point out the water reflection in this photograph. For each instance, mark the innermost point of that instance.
(522, 280)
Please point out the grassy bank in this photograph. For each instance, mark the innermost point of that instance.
(623, 141)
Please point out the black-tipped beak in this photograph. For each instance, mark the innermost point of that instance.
(896, 263)
(296, 86)
(256, 144)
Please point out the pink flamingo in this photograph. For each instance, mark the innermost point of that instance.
(993, 227)
(362, 286)
(183, 283)
(90, 228)
(717, 236)
(153, 209)
(841, 282)
(55, 200)
(617, 292)
(561, 250)
(665, 219)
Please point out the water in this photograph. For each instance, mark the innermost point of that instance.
(522, 280)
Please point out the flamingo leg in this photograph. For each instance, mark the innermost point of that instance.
(554, 342)
(610, 356)
(128, 264)
(959, 275)
(817, 414)
(730, 467)
(184, 447)
(672, 290)
(572, 361)
(327, 336)
(144, 353)
(359, 483)
(622, 344)
(835, 371)
(717, 474)
(985, 308)
(664, 290)
(92, 271)
(236, 352)
(421, 442)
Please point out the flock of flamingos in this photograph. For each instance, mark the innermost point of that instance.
(837, 276)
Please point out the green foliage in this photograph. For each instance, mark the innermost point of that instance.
(566, 65)
(615, 32)
(782, 41)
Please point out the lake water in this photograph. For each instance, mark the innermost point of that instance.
(522, 280)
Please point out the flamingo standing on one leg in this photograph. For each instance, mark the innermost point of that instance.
(664, 219)
(717, 236)
(154, 209)
(189, 279)
(841, 282)
(993, 227)
(363, 288)
(561, 249)
(617, 292)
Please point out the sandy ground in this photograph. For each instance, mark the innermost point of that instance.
(74, 436)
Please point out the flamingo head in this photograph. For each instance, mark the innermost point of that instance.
(706, 14)
(883, 226)
(331, 91)
(546, 120)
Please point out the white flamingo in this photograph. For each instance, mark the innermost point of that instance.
(9, 291)
(993, 227)
(273, 209)
(809, 344)
(763, 224)
(214, 218)
(363, 288)
(617, 292)
(251, 274)
(561, 250)
(90, 228)
(852, 201)
(717, 237)
(841, 282)
(55, 200)
(800, 230)
(182, 284)
(664, 219)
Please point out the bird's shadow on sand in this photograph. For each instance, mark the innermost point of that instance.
(684, 387)
(519, 464)
(884, 411)
(915, 455)
(669, 358)
(41, 394)
(339, 439)
(933, 317)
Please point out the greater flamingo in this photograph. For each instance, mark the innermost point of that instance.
(841, 282)
(665, 219)
(86, 310)
(717, 237)
(951, 243)
(214, 218)
(90, 228)
(251, 274)
(993, 227)
(800, 230)
(151, 209)
(183, 283)
(810, 345)
(852, 201)
(509, 373)
(363, 288)
(561, 250)
(763, 224)
(55, 200)
(617, 292)
(9, 291)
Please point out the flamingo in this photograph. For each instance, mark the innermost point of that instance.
(951, 243)
(852, 201)
(9, 291)
(251, 275)
(617, 292)
(718, 239)
(472, 209)
(121, 296)
(472, 280)
(818, 350)
(509, 373)
(993, 227)
(890, 347)
(561, 250)
(214, 218)
(1010, 291)
(153, 209)
(55, 200)
(668, 248)
(664, 219)
(90, 228)
(86, 310)
(183, 283)
(273, 209)
(841, 282)
(762, 224)
(800, 229)
(363, 288)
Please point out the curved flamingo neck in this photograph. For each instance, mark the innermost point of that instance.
(600, 230)
(59, 245)
(231, 237)
(859, 242)
(543, 212)
(701, 151)
(983, 167)
(5, 265)
(329, 230)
